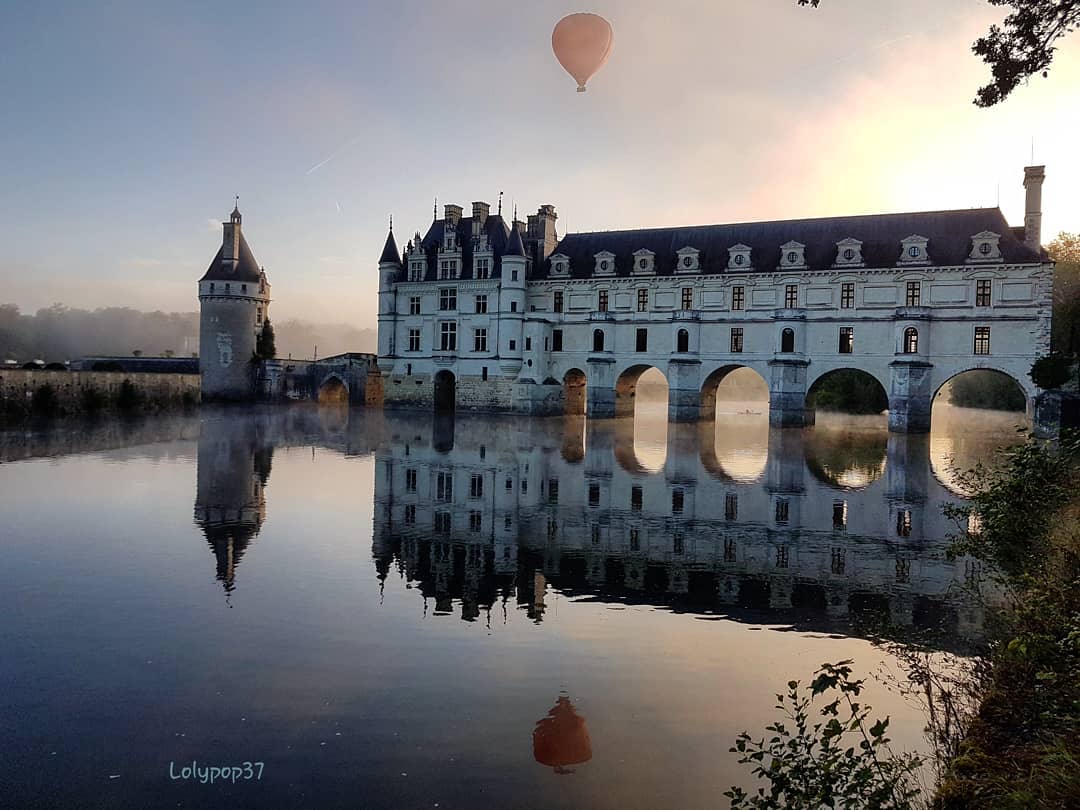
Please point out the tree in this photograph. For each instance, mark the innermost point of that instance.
(1065, 334)
(1022, 46)
(265, 343)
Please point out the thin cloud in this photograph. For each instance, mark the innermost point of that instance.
(333, 155)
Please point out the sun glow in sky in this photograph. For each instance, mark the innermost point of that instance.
(130, 126)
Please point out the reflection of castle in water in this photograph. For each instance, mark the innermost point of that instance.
(230, 507)
(809, 526)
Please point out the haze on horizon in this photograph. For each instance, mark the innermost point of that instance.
(130, 127)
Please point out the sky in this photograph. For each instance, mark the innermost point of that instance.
(128, 127)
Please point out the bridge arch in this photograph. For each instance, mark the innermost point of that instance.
(626, 386)
(751, 377)
(848, 390)
(333, 390)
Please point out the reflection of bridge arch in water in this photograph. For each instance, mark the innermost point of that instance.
(847, 456)
(735, 447)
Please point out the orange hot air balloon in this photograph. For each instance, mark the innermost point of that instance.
(582, 44)
(561, 739)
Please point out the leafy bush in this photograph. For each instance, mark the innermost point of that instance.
(1052, 371)
(843, 761)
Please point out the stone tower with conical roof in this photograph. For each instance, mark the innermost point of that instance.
(234, 303)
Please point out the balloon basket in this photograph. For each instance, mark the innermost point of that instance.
(581, 88)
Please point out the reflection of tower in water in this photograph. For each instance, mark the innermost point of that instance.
(230, 505)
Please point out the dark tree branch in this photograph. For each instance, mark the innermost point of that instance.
(1022, 46)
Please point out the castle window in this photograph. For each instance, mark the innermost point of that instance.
(911, 340)
(787, 341)
(448, 336)
(447, 299)
(243, 288)
(793, 255)
(683, 341)
(528, 344)
(644, 262)
(982, 292)
(513, 275)
(228, 287)
(738, 297)
(483, 269)
(903, 523)
(483, 376)
(688, 298)
(408, 369)
(839, 515)
(914, 294)
(556, 340)
(847, 340)
(480, 343)
(594, 494)
(739, 257)
(783, 510)
(736, 339)
(678, 498)
(513, 306)
(414, 340)
(602, 301)
(847, 295)
(476, 521)
(444, 487)
(985, 247)
(258, 315)
(731, 550)
(849, 253)
(416, 271)
(414, 305)
(642, 342)
(444, 269)
(513, 345)
(839, 561)
(410, 480)
(476, 486)
(481, 304)
(791, 296)
(211, 286)
(557, 301)
(636, 499)
(598, 340)
(982, 340)
(731, 506)
(642, 300)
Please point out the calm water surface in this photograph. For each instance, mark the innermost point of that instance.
(389, 610)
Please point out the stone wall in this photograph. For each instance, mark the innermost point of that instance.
(78, 392)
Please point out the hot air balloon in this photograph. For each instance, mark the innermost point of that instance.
(582, 44)
(561, 739)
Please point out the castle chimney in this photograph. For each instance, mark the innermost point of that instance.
(452, 215)
(1033, 183)
(546, 236)
(479, 217)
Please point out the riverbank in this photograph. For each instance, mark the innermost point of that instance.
(1022, 749)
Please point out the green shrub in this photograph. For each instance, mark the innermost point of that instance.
(1052, 371)
(130, 398)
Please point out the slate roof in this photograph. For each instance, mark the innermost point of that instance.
(390, 252)
(514, 246)
(949, 233)
(497, 233)
(247, 269)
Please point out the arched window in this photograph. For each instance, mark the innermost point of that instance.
(911, 340)
(787, 341)
(598, 340)
(683, 341)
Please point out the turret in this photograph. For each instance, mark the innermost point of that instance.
(512, 301)
(1033, 183)
(389, 270)
(234, 303)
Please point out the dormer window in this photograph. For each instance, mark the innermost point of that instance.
(605, 263)
(560, 265)
(416, 271)
(913, 250)
(483, 267)
(849, 253)
(793, 256)
(985, 247)
(687, 260)
(644, 262)
(739, 257)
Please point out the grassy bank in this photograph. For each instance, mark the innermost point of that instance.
(1022, 748)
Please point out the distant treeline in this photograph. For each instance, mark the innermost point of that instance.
(59, 333)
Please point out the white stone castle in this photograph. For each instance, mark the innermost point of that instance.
(481, 314)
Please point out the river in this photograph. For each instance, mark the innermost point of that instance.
(381, 609)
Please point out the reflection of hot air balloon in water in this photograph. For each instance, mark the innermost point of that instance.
(561, 739)
(582, 44)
